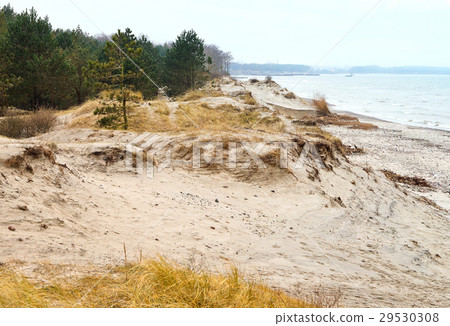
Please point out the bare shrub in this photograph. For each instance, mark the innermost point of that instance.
(42, 121)
(27, 126)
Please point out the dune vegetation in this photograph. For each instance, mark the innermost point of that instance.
(151, 283)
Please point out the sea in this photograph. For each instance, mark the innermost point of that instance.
(416, 100)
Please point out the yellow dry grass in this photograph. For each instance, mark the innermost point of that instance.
(135, 96)
(83, 116)
(151, 283)
(198, 94)
(248, 99)
(186, 116)
(321, 105)
(224, 118)
(155, 119)
(313, 132)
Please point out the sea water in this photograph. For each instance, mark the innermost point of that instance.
(417, 100)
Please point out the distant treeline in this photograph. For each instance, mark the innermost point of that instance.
(42, 66)
(293, 69)
(400, 70)
(266, 69)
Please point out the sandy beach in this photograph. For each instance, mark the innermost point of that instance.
(342, 227)
(406, 150)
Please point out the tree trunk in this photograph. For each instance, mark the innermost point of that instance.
(124, 98)
(124, 109)
(79, 99)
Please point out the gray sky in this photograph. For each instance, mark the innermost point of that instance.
(397, 32)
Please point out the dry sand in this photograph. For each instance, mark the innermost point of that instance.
(349, 230)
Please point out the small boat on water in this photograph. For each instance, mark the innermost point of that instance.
(349, 75)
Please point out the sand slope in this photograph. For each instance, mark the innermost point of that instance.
(348, 229)
(340, 226)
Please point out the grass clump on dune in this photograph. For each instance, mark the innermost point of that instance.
(321, 105)
(155, 118)
(225, 118)
(152, 283)
(199, 93)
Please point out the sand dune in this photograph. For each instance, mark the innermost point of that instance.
(342, 225)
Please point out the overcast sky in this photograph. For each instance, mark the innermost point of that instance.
(396, 32)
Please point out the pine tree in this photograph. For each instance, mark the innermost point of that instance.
(6, 78)
(37, 61)
(150, 61)
(185, 63)
(118, 72)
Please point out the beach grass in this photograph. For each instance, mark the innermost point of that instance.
(153, 283)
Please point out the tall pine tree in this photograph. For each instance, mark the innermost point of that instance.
(185, 63)
(118, 73)
(37, 61)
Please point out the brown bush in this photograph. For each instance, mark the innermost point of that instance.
(27, 126)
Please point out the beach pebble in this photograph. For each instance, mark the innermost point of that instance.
(11, 228)
(216, 200)
(22, 207)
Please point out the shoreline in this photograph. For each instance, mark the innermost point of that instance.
(418, 118)
(368, 118)
(406, 150)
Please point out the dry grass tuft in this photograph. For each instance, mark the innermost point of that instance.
(35, 152)
(290, 96)
(152, 283)
(155, 119)
(317, 133)
(321, 105)
(83, 116)
(248, 99)
(412, 181)
(40, 151)
(15, 162)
